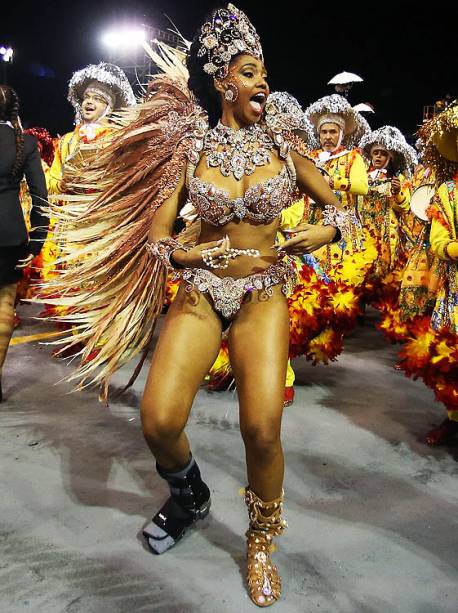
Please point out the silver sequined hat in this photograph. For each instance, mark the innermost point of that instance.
(109, 76)
(284, 113)
(393, 141)
(229, 33)
(337, 109)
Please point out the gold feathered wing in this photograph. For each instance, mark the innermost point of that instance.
(111, 289)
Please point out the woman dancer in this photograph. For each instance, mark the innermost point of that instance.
(239, 173)
(239, 185)
(19, 155)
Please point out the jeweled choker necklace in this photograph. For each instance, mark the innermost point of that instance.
(237, 152)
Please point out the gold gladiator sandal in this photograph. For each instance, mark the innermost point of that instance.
(264, 582)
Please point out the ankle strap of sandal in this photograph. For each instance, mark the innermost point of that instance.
(265, 516)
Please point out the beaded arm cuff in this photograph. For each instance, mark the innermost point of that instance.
(163, 250)
(344, 221)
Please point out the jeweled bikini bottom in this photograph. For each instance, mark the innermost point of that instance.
(228, 293)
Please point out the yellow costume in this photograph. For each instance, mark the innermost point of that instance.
(348, 179)
(67, 153)
(389, 157)
(347, 261)
(75, 150)
(68, 148)
(379, 212)
(347, 171)
(290, 218)
(419, 279)
(432, 351)
(444, 244)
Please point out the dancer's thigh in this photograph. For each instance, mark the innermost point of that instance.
(258, 347)
(187, 348)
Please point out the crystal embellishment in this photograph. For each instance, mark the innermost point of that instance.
(238, 152)
(228, 293)
(266, 586)
(230, 32)
(262, 202)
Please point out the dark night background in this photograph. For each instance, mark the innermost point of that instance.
(406, 55)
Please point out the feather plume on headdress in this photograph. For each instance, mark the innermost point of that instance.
(438, 138)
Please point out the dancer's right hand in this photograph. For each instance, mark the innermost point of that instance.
(193, 257)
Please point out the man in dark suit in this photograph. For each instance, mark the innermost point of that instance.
(13, 232)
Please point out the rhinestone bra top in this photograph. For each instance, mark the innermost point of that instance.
(262, 202)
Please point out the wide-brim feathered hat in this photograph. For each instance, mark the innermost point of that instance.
(439, 140)
(446, 132)
(392, 140)
(336, 109)
(111, 78)
(283, 112)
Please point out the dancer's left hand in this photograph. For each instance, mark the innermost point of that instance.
(25, 262)
(307, 238)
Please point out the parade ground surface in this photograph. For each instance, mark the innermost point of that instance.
(372, 511)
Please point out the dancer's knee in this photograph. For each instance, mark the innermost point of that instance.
(261, 440)
(160, 427)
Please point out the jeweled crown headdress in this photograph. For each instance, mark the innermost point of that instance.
(230, 32)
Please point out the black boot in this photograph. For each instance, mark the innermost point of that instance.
(189, 501)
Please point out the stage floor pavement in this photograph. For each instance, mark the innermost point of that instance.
(372, 511)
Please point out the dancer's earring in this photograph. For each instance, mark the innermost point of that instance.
(232, 93)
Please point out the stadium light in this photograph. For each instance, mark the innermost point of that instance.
(124, 38)
(6, 54)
